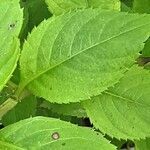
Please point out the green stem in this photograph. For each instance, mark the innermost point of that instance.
(7, 106)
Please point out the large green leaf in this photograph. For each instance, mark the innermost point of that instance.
(123, 111)
(10, 24)
(142, 144)
(58, 7)
(78, 55)
(42, 133)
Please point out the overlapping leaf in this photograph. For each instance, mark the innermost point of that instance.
(58, 7)
(10, 25)
(72, 109)
(105, 4)
(78, 55)
(146, 50)
(123, 111)
(42, 133)
(142, 144)
(24, 109)
(141, 6)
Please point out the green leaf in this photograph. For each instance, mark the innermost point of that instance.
(58, 7)
(72, 109)
(124, 109)
(141, 6)
(36, 17)
(126, 5)
(146, 50)
(142, 144)
(10, 25)
(45, 133)
(105, 4)
(78, 55)
(24, 109)
(7, 106)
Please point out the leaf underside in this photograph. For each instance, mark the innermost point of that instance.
(123, 111)
(78, 55)
(42, 133)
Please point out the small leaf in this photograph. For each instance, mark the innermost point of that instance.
(125, 109)
(47, 133)
(10, 25)
(78, 55)
(72, 109)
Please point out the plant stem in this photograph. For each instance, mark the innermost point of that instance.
(7, 106)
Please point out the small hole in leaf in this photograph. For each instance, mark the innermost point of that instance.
(97, 133)
(63, 144)
(55, 136)
(12, 25)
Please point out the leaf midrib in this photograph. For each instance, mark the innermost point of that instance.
(102, 42)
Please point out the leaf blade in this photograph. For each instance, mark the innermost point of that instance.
(82, 66)
(42, 129)
(124, 109)
(11, 21)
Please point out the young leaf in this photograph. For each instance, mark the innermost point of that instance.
(78, 55)
(10, 25)
(58, 7)
(142, 144)
(124, 109)
(47, 133)
(72, 109)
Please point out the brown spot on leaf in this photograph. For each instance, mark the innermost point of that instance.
(55, 136)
